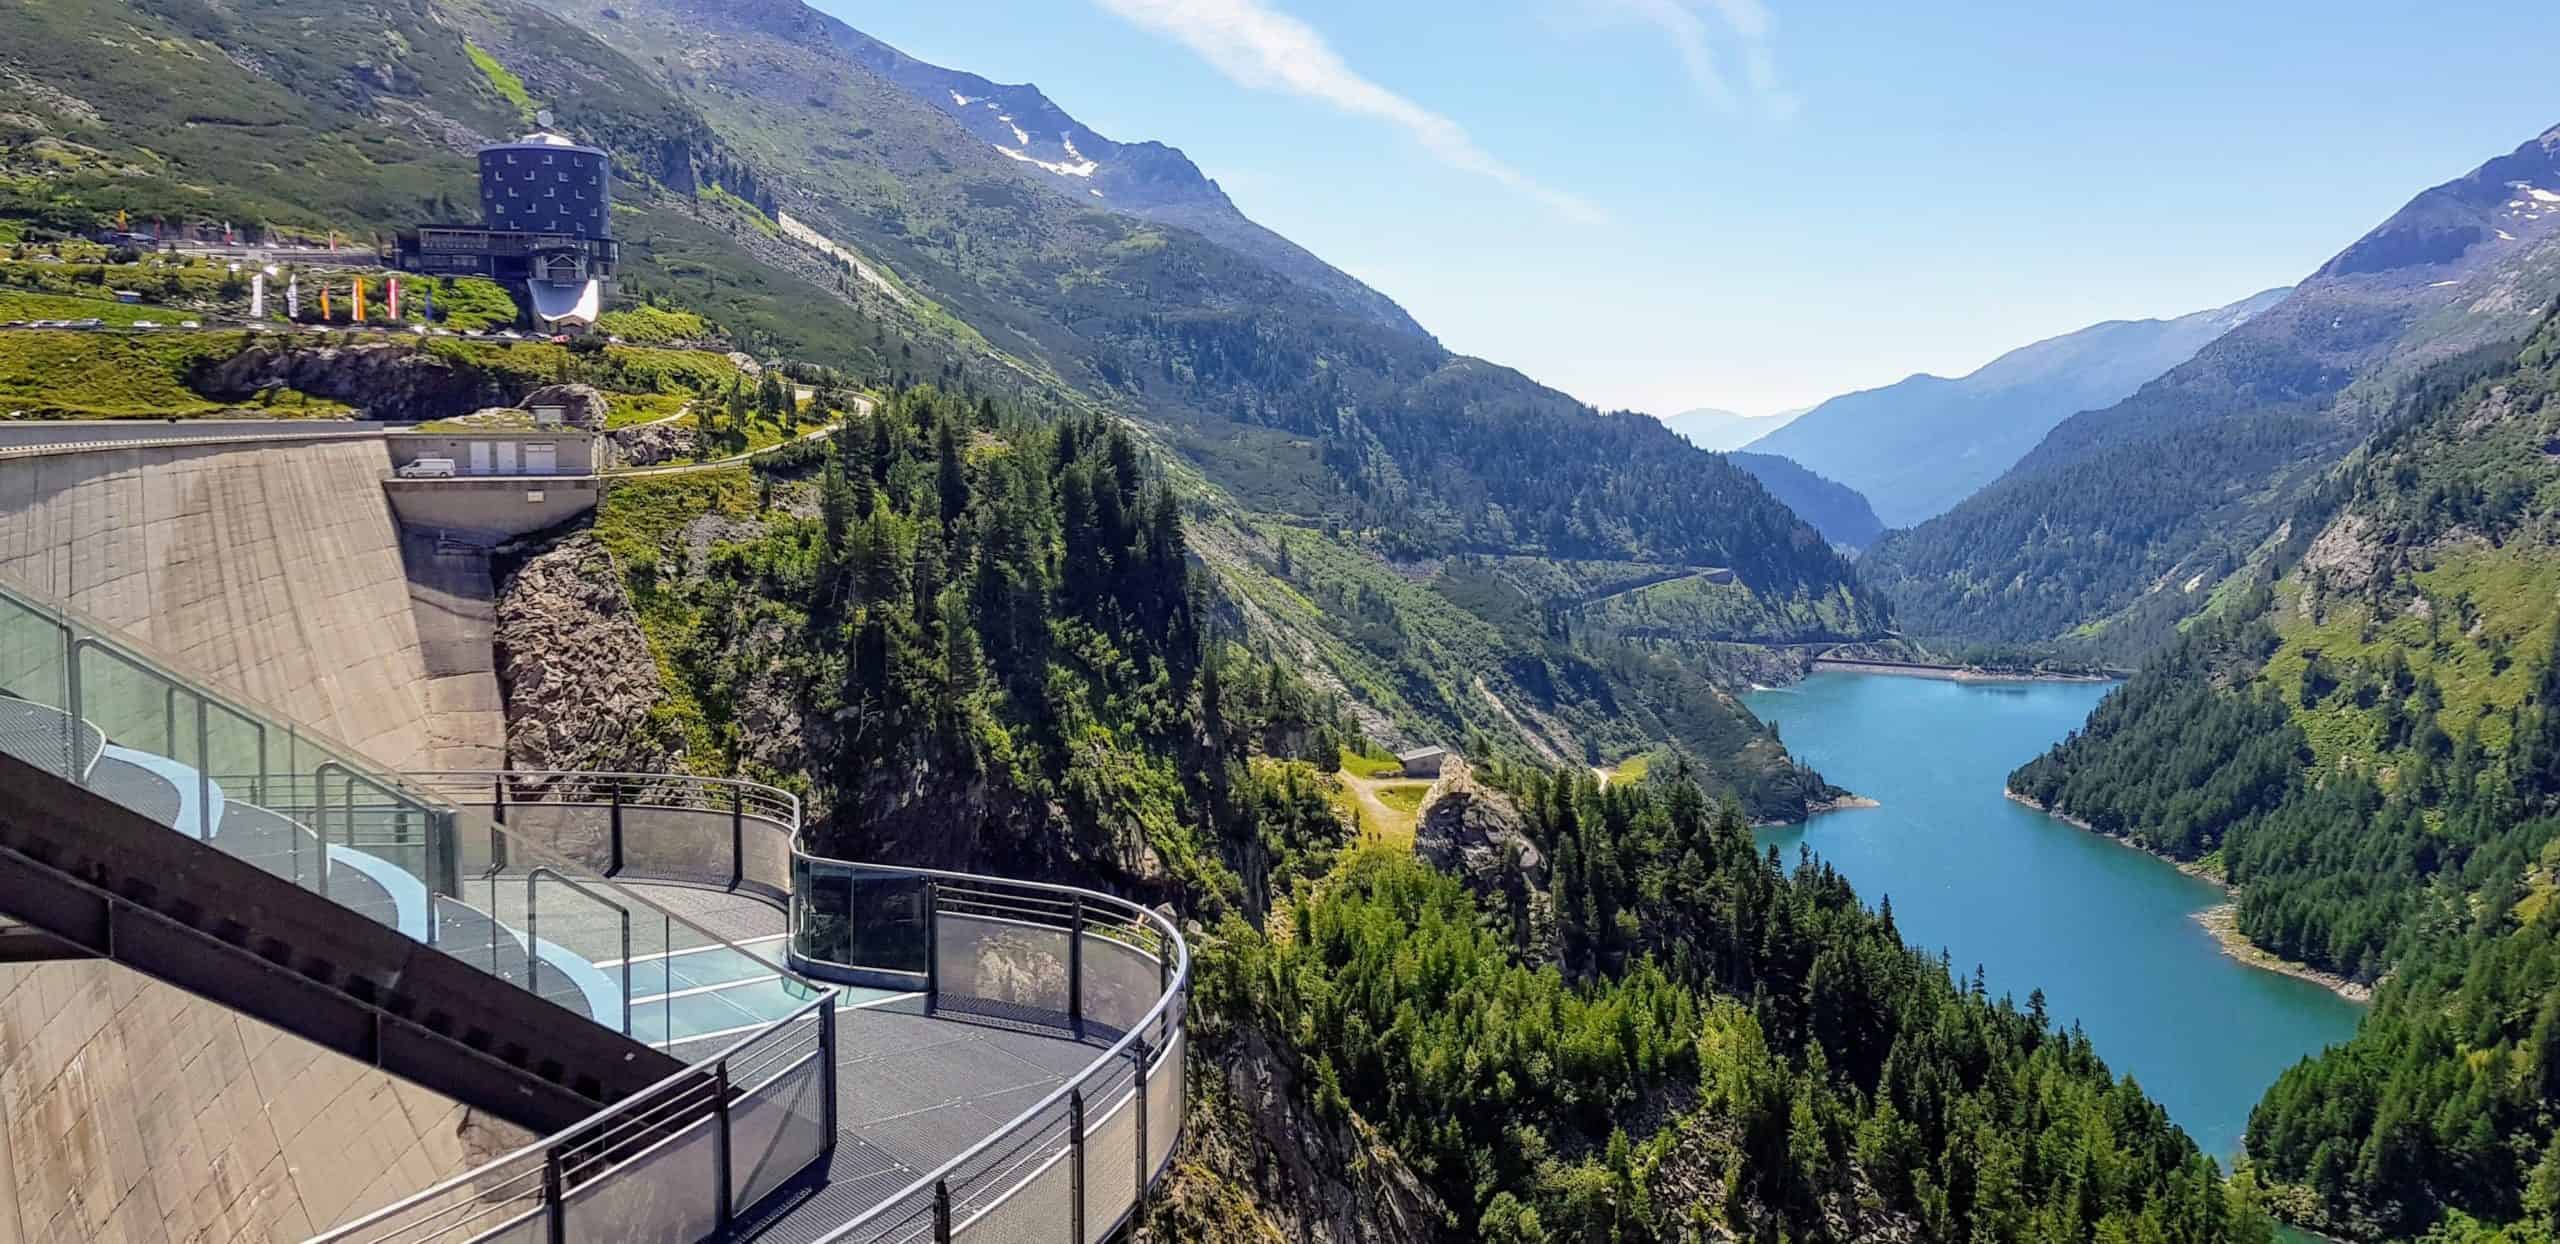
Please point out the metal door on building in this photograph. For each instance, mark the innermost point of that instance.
(506, 457)
(479, 457)
(541, 458)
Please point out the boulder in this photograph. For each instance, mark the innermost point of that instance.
(583, 406)
(649, 444)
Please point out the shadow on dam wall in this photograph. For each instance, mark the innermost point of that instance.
(275, 570)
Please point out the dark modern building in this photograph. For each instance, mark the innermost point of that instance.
(544, 183)
(546, 206)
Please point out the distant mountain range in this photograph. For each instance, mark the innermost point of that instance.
(2123, 521)
(1835, 509)
(1917, 447)
(1724, 430)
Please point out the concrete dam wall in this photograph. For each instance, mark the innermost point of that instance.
(275, 571)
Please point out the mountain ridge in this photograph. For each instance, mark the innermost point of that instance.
(1149, 179)
(1917, 447)
(2119, 524)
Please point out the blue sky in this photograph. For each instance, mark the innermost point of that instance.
(1662, 204)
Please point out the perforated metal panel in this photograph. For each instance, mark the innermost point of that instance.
(1121, 982)
(1164, 1106)
(1020, 967)
(1110, 1156)
(663, 1196)
(776, 1130)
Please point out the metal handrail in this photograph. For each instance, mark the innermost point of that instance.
(1176, 986)
(784, 805)
(583, 1129)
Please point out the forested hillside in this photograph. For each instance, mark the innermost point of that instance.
(1722, 1048)
(1835, 509)
(2368, 747)
(2123, 521)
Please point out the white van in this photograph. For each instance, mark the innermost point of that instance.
(426, 468)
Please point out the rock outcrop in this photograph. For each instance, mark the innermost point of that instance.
(1477, 835)
(649, 444)
(578, 678)
(387, 380)
(583, 406)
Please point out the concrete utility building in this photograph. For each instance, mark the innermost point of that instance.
(1423, 762)
(546, 229)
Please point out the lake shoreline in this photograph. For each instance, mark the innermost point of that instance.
(1949, 673)
(2222, 920)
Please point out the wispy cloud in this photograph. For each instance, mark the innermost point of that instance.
(1699, 31)
(1262, 48)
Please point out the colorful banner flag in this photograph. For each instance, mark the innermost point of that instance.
(258, 296)
(324, 302)
(293, 297)
(359, 300)
(427, 301)
(394, 297)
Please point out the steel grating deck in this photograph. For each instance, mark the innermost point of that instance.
(913, 1090)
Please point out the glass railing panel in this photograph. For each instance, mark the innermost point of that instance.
(95, 706)
(862, 920)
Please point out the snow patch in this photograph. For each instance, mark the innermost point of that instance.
(1095, 192)
(1019, 135)
(959, 100)
(2442, 284)
(1081, 168)
(2505, 236)
(2543, 196)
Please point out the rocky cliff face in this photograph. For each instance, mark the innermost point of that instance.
(386, 380)
(1261, 1166)
(1474, 833)
(576, 671)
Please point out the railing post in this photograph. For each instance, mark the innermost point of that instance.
(444, 848)
(1138, 1102)
(932, 944)
(1075, 1164)
(532, 935)
(204, 774)
(737, 837)
(72, 716)
(1075, 970)
(724, 1198)
(613, 867)
(827, 1069)
(556, 1217)
(941, 1211)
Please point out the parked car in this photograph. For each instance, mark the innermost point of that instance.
(426, 468)
(189, 324)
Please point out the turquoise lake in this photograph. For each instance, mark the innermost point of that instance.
(2106, 931)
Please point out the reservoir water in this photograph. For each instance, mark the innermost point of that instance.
(2106, 931)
